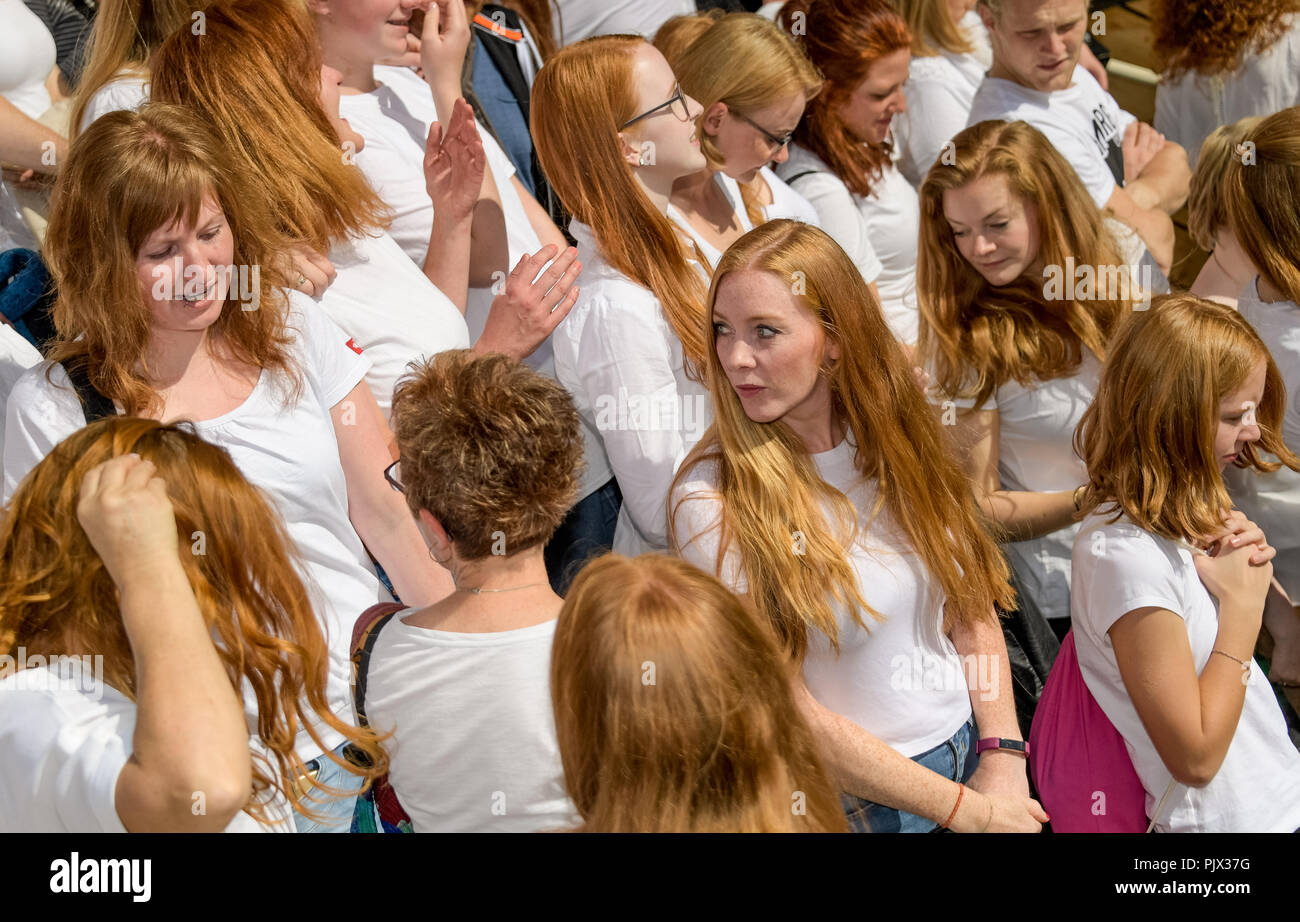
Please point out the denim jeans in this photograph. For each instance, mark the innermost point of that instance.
(586, 532)
(336, 811)
(954, 759)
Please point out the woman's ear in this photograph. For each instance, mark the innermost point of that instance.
(713, 117)
(832, 350)
(632, 154)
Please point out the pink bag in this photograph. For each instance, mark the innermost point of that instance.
(1082, 770)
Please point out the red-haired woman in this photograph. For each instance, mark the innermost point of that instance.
(845, 161)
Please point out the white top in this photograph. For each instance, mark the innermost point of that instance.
(900, 679)
(786, 203)
(16, 356)
(939, 92)
(474, 748)
(1119, 568)
(390, 309)
(625, 368)
(290, 452)
(27, 55)
(1190, 108)
(127, 91)
(575, 20)
(1083, 122)
(731, 191)
(878, 232)
(1036, 426)
(65, 737)
(1278, 324)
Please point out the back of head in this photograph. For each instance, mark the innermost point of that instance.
(490, 447)
(57, 598)
(674, 710)
(128, 175)
(979, 336)
(680, 32)
(1211, 37)
(254, 74)
(842, 39)
(1261, 192)
(124, 35)
(580, 99)
(933, 29)
(1148, 437)
(1205, 210)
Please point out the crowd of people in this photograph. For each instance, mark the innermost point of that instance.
(434, 416)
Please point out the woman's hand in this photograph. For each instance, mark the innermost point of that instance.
(410, 58)
(532, 306)
(454, 163)
(307, 271)
(443, 42)
(997, 812)
(1231, 577)
(1239, 531)
(1001, 773)
(127, 515)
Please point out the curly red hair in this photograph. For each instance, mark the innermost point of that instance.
(1211, 36)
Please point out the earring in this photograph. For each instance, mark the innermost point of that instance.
(645, 158)
(440, 562)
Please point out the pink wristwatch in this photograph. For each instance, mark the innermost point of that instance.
(997, 742)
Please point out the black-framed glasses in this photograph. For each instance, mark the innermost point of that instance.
(776, 142)
(392, 474)
(683, 112)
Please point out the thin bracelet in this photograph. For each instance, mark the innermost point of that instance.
(961, 789)
(1242, 663)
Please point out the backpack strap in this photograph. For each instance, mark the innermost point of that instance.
(790, 181)
(94, 404)
(364, 634)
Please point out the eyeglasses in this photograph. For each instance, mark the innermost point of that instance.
(773, 140)
(683, 112)
(392, 474)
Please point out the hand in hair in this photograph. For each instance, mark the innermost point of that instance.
(308, 271)
(532, 306)
(128, 518)
(454, 163)
(443, 42)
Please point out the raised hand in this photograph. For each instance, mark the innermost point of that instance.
(532, 306)
(128, 517)
(454, 163)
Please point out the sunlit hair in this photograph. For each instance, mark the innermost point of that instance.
(1205, 212)
(674, 708)
(123, 36)
(1148, 437)
(932, 28)
(488, 446)
(126, 176)
(769, 485)
(1262, 200)
(843, 39)
(56, 597)
(1212, 37)
(747, 62)
(979, 336)
(579, 99)
(254, 75)
(680, 32)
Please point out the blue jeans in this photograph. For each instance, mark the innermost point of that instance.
(954, 759)
(336, 811)
(586, 532)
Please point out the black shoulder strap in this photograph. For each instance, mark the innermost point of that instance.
(94, 404)
(790, 181)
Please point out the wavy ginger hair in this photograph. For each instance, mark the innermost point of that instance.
(748, 63)
(979, 336)
(1261, 200)
(711, 741)
(1211, 37)
(56, 597)
(125, 33)
(933, 29)
(769, 484)
(579, 99)
(254, 76)
(1148, 437)
(843, 38)
(126, 176)
(1206, 214)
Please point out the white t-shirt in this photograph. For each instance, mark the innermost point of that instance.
(1119, 568)
(128, 91)
(291, 452)
(1036, 454)
(617, 355)
(1189, 108)
(16, 356)
(900, 679)
(390, 309)
(27, 55)
(786, 203)
(731, 191)
(575, 20)
(878, 232)
(1083, 122)
(939, 92)
(65, 737)
(474, 748)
